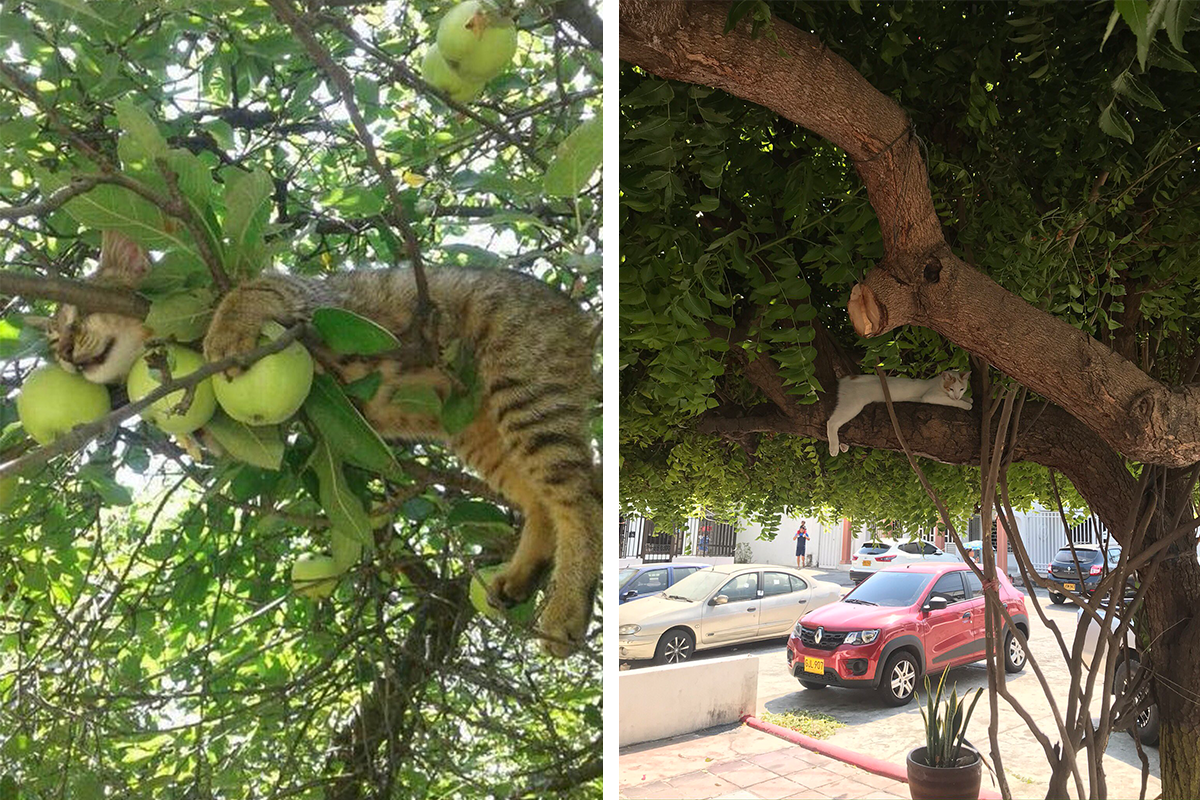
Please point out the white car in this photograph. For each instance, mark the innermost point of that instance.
(728, 604)
(874, 556)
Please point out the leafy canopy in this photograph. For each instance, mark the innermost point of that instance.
(1061, 146)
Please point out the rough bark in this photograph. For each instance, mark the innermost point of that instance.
(919, 282)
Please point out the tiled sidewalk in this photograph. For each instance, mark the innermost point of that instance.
(736, 762)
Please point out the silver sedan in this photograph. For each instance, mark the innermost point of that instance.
(729, 604)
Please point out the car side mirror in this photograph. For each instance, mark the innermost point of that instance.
(935, 603)
(719, 600)
(631, 593)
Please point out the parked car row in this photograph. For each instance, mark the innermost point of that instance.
(723, 605)
(900, 622)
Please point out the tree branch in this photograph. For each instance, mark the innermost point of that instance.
(919, 282)
(88, 297)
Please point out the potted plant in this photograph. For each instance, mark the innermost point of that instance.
(945, 769)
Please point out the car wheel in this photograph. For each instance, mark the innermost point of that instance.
(1145, 727)
(899, 679)
(674, 647)
(813, 685)
(1014, 654)
(1057, 599)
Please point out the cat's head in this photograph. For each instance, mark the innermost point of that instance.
(956, 382)
(102, 346)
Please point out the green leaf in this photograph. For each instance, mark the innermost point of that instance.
(259, 445)
(418, 398)
(346, 549)
(1115, 125)
(344, 508)
(1136, 14)
(341, 424)
(1130, 87)
(182, 316)
(81, 6)
(458, 412)
(576, 159)
(347, 333)
(365, 387)
(108, 207)
(141, 145)
(1178, 14)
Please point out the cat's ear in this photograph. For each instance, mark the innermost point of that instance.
(123, 261)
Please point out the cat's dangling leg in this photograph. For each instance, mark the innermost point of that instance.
(531, 443)
(535, 550)
(842, 414)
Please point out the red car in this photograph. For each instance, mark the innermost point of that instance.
(898, 624)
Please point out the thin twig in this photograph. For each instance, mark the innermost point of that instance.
(344, 85)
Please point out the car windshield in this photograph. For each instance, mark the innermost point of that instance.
(1085, 556)
(893, 589)
(625, 574)
(873, 549)
(697, 586)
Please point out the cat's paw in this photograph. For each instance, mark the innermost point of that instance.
(845, 448)
(563, 622)
(966, 403)
(514, 585)
(226, 341)
(833, 447)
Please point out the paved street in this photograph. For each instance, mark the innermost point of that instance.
(736, 762)
(889, 733)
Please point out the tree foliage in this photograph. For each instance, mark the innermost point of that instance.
(150, 644)
(742, 235)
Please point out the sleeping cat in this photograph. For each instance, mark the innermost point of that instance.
(529, 440)
(856, 391)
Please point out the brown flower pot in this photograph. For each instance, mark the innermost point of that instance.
(944, 783)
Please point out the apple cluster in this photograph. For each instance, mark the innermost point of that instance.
(52, 401)
(474, 44)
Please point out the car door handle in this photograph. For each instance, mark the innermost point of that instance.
(966, 615)
(749, 609)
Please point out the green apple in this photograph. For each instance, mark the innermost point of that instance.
(181, 361)
(522, 612)
(271, 390)
(315, 576)
(476, 40)
(440, 75)
(52, 401)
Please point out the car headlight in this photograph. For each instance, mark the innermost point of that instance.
(629, 630)
(861, 637)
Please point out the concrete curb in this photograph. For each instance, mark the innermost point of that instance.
(876, 766)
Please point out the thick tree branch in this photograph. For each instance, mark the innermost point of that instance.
(88, 297)
(1047, 435)
(919, 282)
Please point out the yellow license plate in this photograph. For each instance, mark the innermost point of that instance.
(866, 562)
(1069, 586)
(814, 665)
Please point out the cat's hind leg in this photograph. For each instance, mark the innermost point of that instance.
(842, 414)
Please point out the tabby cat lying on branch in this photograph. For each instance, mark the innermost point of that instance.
(529, 438)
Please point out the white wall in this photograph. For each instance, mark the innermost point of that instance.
(658, 702)
(824, 542)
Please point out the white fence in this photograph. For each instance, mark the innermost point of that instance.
(1043, 534)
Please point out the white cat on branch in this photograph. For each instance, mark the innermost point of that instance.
(856, 391)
